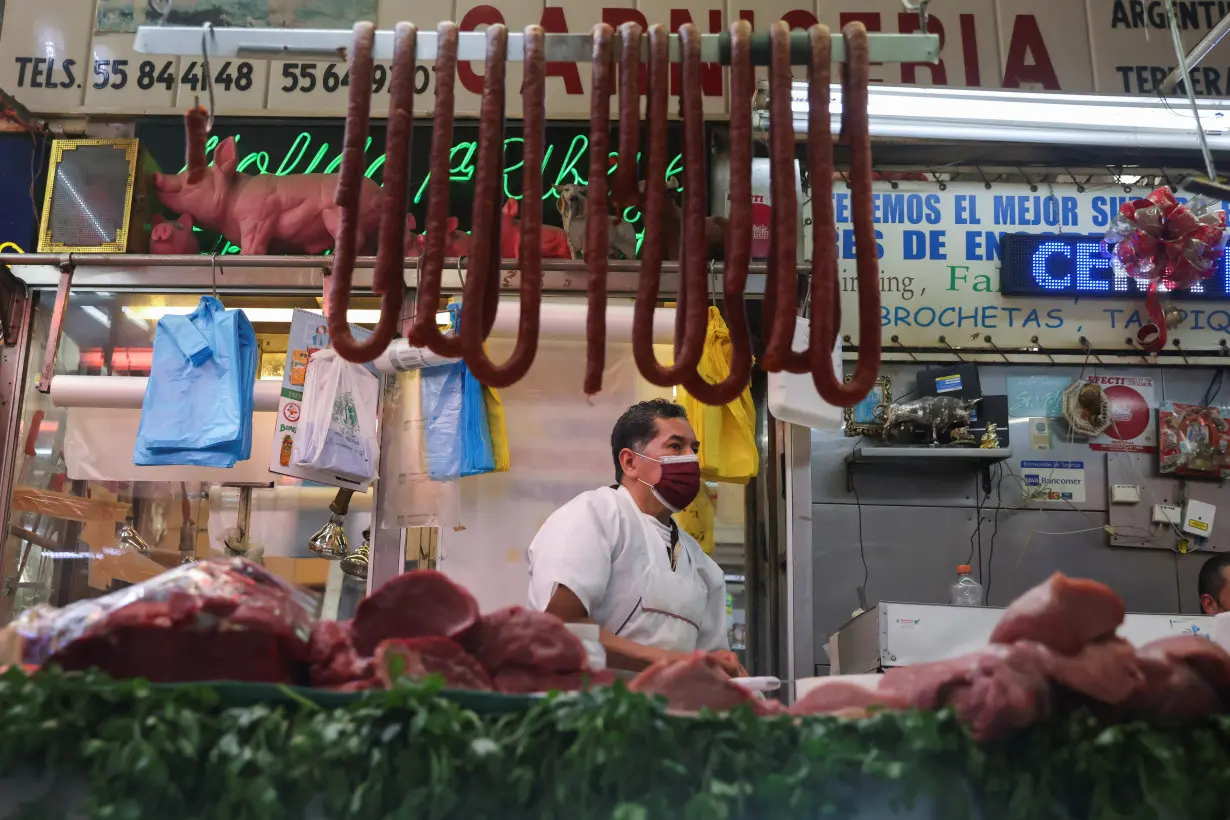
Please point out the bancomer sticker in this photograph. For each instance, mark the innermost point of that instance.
(1055, 481)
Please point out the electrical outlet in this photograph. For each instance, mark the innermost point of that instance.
(1165, 514)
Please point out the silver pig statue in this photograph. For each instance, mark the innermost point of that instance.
(936, 412)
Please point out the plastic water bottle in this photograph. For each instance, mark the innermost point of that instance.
(966, 591)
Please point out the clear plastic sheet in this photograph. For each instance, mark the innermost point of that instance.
(229, 594)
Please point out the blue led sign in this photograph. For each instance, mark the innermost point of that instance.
(1074, 265)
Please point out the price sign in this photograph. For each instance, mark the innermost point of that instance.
(239, 85)
(323, 88)
(119, 78)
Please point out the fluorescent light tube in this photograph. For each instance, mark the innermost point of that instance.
(97, 315)
(275, 316)
(1010, 116)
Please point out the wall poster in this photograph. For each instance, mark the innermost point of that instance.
(126, 15)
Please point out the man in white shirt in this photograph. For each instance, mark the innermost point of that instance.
(614, 557)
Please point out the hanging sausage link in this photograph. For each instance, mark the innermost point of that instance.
(625, 192)
(424, 332)
(690, 312)
(781, 286)
(597, 238)
(739, 238)
(485, 266)
(825, 288)
(856, 129)
(388, 278)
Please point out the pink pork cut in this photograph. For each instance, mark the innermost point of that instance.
(850, 695)
(692, 684)
(419, 657)
(1185, 678)
(525, 638)
(1061, 613)
(1107, 671)
(419, 604)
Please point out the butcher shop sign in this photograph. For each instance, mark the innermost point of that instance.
(71, 57)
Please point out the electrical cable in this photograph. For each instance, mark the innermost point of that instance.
(1214, 388)
(862, 550)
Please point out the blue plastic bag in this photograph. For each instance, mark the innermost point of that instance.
(455, 411)
(198, 401)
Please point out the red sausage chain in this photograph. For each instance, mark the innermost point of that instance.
(624, 190)
(484, 267)
(388, 278)
(597, 238)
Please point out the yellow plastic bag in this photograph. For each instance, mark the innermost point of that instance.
(727, 434)
(499, 431)
(697, 520)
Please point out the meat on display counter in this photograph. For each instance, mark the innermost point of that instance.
(893, 634)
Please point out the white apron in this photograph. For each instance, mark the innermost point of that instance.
(670, 604)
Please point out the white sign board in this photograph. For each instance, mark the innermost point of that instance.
(1055, 481)
(939, 269)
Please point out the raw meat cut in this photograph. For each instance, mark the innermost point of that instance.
(1061, 613)
(419, 657)
(517, 680)
(419, 604)
(332, 660)
(1186, 677)
(522, 637)
(1107, 671)
(1206, 658)
(213, 620)
(850, 695)
(691, 684)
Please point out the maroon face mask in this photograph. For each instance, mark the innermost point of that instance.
(680, 481)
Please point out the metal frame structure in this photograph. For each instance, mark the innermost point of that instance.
(17, 314)
(275, 43)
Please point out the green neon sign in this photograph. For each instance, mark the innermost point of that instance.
(567, 170)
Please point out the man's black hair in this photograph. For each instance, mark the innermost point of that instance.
(638, 425)
(1213, 577)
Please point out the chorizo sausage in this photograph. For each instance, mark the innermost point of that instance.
(533, 95)
(196, 128)
(739, 231)
(597, 238)
(781, 287)
(856, 129)
(389, 276)
(690, 314)
(625, 193)
(424, 332)
(825, 291)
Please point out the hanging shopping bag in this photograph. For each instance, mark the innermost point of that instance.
(499, 431)
(727, 433)
(458, 436)
(338, 419)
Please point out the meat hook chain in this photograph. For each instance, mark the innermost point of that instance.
(482, 287)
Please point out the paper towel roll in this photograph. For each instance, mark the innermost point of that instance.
(127, 392)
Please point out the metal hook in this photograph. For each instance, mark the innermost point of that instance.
(213, 273)
(1144, 354)
(1037, 344)
(1033, 188)
(842, 174)
(941, 183)
(1089, 352)
(955, 352)
(1182, 352)
(713, 288)
(1225, 348)
(995, 347)
(985, 181)
(897, 341)
(207, 34)
(461, 276)
(921, 8)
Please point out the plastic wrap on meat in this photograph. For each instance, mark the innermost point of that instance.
(419, 657)
(213, 620)
(1061, 613)
(332, 659)
(517, 680)
(419, 604)
(850, 695)
(525, 638)
(691, 684)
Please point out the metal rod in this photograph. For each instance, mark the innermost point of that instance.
(270, 43)
(1198, 53)
(57, 326)
(136, 260)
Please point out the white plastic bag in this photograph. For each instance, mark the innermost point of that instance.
(338, 429)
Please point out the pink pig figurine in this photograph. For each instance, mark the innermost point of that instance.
(264, 213)
(167, 236)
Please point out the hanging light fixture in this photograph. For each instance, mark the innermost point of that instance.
(330, 540)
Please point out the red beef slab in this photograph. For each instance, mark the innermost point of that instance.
(420, 657)
(1206, 658)
(691, 684)
(1173, 692)
(517, 680)
(419, 604)
(526, 638)
(332, 660)
(1061, 613)
(843, 694)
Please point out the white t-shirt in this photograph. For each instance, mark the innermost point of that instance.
(595, 546)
